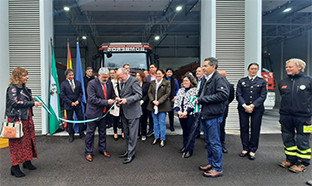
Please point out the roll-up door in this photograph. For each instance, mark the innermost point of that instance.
(24, 45)
(230, 46)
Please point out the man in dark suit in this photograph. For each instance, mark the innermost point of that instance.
(87, 78)
(130, 96)
(100, 96)
(225, 115)
(71, 94)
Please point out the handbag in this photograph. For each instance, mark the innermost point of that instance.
(12, 130)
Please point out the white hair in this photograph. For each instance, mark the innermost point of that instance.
(298, 62)
(103, 70)
(123, 70)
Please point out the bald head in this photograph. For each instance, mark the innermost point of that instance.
(222, 72)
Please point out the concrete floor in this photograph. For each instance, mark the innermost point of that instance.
(63, 163)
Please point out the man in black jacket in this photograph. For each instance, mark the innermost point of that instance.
(212, 96)
(295, 115)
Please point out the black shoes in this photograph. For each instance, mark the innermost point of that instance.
(16, 171)
(82, 136)
(71, 138)
(128, 159)
(171, 128)
(182, 150)
(252, 157)
(188, 154)
(123, 155)
(243, 154)
(28, 165)
(224, 150)
(150, 133)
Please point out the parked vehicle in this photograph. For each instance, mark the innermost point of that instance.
(115, 55)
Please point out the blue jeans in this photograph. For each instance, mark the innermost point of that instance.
(160, 124)
(211, 129)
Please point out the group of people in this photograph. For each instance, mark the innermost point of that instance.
(201, 102)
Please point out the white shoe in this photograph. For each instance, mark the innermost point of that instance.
(143, 138)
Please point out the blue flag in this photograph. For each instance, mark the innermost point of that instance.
(79, 77)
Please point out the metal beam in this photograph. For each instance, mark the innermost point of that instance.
(130, 23)
(285, 24)
(190, 9)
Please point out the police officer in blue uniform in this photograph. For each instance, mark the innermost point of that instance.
(296, 116)
(251, 93)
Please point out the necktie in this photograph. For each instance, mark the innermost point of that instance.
(72, 85)
(105, 94)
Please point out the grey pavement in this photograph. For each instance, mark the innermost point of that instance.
(63, 163)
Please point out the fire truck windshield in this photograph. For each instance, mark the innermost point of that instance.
(135, 60)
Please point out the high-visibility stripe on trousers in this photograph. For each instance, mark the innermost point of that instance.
(294, 151)
(296, 138)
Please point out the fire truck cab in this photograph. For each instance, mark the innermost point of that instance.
(115, 55)
(269, 103)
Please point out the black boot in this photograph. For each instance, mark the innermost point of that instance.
(16, 171)
(28, 165)
(171, 128)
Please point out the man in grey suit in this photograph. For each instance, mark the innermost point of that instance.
(129, 100)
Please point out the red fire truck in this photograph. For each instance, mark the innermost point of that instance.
(115, 55)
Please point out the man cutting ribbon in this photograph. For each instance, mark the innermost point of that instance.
(100, 95)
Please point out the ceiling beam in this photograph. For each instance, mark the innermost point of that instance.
(62, 23)
(285, 24)
(130, 34)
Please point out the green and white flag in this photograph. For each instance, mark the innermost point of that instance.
(54, 92)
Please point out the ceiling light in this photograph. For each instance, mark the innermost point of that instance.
(66, 8)
(157, 38)
(286, 10)
(178, 8)
(84, 37)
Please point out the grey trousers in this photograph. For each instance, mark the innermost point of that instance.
(131, 128)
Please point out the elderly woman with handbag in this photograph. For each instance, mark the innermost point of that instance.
(19, 103)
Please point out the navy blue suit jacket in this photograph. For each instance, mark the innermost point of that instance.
(68, 96)
(96, 100)
(251, 92)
